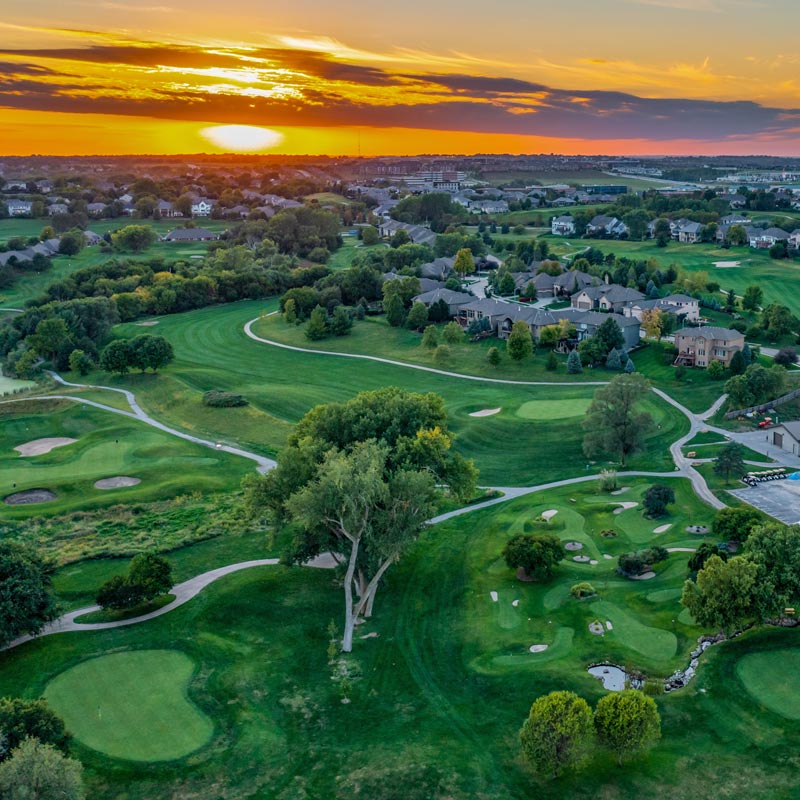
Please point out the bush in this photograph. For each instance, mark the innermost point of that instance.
(656, 499)
(786, 356)
(715, 370)
(582, 590)
(608, 480)
(640, 561)
(219, 399)
(441, 354)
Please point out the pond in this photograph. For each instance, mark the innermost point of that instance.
(613, 678)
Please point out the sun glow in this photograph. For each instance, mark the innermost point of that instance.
(242, 138)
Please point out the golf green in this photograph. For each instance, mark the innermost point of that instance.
(768, 679)
(132, 705)
(554, 409)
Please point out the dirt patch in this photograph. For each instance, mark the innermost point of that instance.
(117, 482)
(486, 412)
(30, 497)
(38, 447)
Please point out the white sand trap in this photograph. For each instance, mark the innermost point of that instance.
(538, 648)
(609, 626)
(119, 482)
(573, 546)
(624, 507)
(726, 264)
(606, 555)
(645, 576)
(681, 549)
(581, 559)
(38, 447)
(663, 528)
(372, 635)
(148, 323)
(323, 561)
(494, 596)
(515, 603)
(486, 412)
(596, 628)
(549, 514)
(621, 490)
(593, 562)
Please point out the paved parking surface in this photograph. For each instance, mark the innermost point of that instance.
(779, 499)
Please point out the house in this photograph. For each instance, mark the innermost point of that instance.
(794, 239)
(735, 219)
(19, 208)
(96, 209)
(489, 206)
(480, 309)
(15, 186)
(56, 208)
(606, 297)
(167, 209)
(786, 436)
(454, 300)
(689, 233)
(587, 322)
(763, 240)
(561, 202)
(417, 233)
(202, 207)
(191, 235)
(439, 269)
(606, 226)
(562, 226)
(679, 304)
(91, 238)
(734, 200)
(698, 347)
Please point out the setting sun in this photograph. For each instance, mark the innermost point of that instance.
(242, 138)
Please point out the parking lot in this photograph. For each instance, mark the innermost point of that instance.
(779, 499)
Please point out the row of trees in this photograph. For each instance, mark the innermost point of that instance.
(143, 352)
(149, 576)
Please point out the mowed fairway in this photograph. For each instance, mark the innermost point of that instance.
(553, 409)
(771, 679)
(132, 705)
(107, 445)
(213, 352)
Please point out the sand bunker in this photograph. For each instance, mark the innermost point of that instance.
(645, 576)
(29, 497)
(515, 603)
(486, 412)
(609, 626)
(699, 529)
(573, 546)
(494, 596)
(621, 490)
(680, 549)
(538, 648)
(662, 528)
(38, 447)
(581, 559)
(624, 507)
(726, 264)
(148, 323)
(593, 562)
(606, 555)
(372, 635)
(597, 628)
(118, 482)
(549, 514)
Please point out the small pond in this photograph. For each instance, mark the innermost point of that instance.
(613, 678)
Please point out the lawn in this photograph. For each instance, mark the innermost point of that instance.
(212, 352)
(132, 705)
(766, 676)
(436, 699)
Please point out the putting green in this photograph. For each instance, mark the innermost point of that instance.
(554, 409)
(655, 643)
(132, 705)
(768, 680)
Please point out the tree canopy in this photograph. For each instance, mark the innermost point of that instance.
(537, 554)
(626, 721)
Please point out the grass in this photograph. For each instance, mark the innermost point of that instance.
(553, 409)
(766, 676)
(107, 445)
(418, 724)
(115, 615)
(212, 352)
(132, 705)
(12, 385)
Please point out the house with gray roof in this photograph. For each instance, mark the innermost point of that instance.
(454, 300)
(679, 304)
(606, 297)
(786, 436)
(19, 208)
(764, 239)
(698, 347)
(606, 226)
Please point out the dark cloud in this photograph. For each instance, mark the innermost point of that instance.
(8, 68)
(481, 86)
(321, 66)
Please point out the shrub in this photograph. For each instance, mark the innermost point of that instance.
(493, 356)
(715, 370)
(441, 354)
(219, 399)
(632, 564)
(656, 499)
(608, 480)
(430, 337)
(582, 590)
(786, 356)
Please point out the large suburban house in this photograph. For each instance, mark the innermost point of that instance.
(698, 347)
(562, 226)
(763, 240)
(679, 304)
(202, 207)
(608, 226)
(454, 300)
(19, 208)
(794, 239)
(47, 248)
(786, 436)
(547, 285)
(417, 233)
(606, 297)
(191, 235)
(689, 232)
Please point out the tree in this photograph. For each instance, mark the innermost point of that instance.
(151, 352)
(551, 364)
(71, 243)
(735, 524)
(453, 333)
(79, 362)
(610, 335)
(20, 719)
(395, 310)
(38, 771)
(441, 354)
(753, 297)
(700, 556)
(786, 356)
(493, 356)
(730, 459)
(399, 238)
(653, 323)
(557, 733)
(778, 320)
(656, 499)
(629, 367)
(626, 722)
(520, 341)
(26, 603)
(574, 365)
(152, 573)
(715, 370)
(341, 321)
(775, 549)
(50, 336)
(290, 311)
(370, 235)
(317, 327)
(724, 595)
(417, 317)
(134, 238)
(737, 235)
(536, 554)
(737, 363)
(118, 592)
(117, 357)
(613, 360)
(430, 337)
(613, 424)
(465, 263)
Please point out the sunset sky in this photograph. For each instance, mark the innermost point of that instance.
(575, 76)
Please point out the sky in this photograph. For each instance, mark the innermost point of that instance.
(641, 77)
